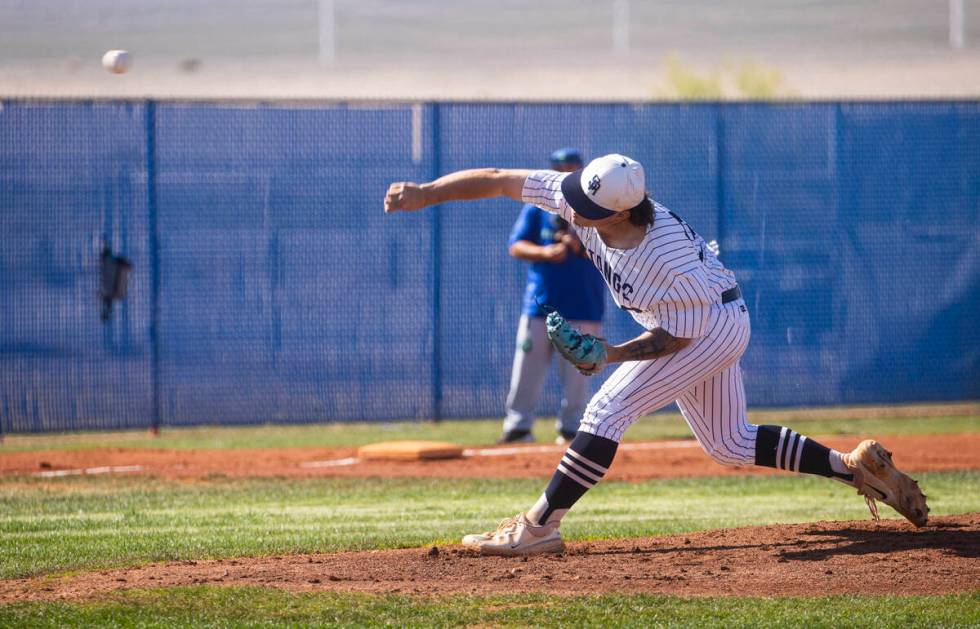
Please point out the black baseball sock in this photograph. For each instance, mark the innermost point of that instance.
(785, 449)
(584, 464)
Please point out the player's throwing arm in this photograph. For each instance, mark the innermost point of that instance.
(479, 183)
(588, 353)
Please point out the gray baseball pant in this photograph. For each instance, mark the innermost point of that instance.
(531, 361)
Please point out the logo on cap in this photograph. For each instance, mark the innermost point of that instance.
(594, 184)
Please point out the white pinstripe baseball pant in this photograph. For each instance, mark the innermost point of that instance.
(704, 379)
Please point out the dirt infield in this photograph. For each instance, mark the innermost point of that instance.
(813, 559)
(635, 461)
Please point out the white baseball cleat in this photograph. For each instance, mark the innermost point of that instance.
(877, 478)
(517, 536)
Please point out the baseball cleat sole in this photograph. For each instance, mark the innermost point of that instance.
(877, 478)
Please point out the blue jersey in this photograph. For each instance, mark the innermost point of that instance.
(573, 287)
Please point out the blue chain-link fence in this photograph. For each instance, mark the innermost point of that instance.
(266, 284)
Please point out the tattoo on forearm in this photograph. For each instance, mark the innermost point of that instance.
(659, 343)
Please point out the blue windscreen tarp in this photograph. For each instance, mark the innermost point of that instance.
(268, 285)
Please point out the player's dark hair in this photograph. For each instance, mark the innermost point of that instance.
(642, 215)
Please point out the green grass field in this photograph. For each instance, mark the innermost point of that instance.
(250, 607)
(76, 524)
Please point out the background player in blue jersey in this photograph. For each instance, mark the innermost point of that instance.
(561, 277)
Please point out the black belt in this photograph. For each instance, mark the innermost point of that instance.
(731, 294)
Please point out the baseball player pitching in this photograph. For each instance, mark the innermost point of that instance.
(696, 328)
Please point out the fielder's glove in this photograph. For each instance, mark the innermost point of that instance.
(586, 352)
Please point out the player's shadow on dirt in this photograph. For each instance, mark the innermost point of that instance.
(954, 539)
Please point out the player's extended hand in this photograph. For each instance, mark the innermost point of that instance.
(585, 351)
(574, 245)
(555, 253)
(404, 196)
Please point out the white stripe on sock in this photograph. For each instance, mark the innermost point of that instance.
(575, 477)
(784, 460)
(794, 440)
(588, 462)
(779, 447)
(799, 454)
(581, 470)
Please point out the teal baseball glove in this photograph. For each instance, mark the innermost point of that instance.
(585, 351)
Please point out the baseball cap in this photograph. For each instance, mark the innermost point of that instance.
(566, 155)
(609, 184)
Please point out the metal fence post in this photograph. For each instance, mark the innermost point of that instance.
(436, 239)
(720, 164)
(154, 255)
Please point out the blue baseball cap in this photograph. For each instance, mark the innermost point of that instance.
(567, 155)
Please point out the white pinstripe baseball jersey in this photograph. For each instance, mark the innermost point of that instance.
(671, 280)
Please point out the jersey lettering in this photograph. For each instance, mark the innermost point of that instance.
(613, 279)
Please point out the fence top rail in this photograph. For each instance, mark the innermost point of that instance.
(374, 103)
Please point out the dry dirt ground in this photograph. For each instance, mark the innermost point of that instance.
(635, 461)
(819, 558)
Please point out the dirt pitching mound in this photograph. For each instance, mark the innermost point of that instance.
(861, 557)
(635, 461)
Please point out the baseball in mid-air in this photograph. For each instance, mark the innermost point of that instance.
(117, 61)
